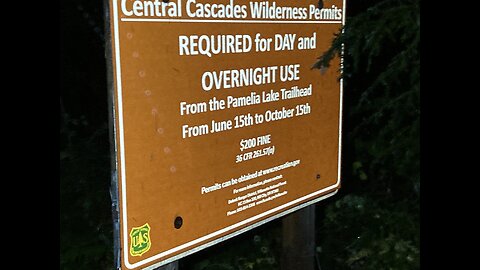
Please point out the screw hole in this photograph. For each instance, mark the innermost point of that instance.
(318, 176)
(178, 222)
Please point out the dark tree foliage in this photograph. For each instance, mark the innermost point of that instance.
(85, 222)
(372, 223)
(85, 216)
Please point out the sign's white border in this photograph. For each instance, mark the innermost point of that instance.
(236, 225)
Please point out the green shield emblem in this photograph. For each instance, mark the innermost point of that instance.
(140, 240)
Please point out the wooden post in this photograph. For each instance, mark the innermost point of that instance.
(170, 266)
(298, 240)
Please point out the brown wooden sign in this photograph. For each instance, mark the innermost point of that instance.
(220, 123)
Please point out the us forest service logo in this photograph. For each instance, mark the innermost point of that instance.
(140, 240)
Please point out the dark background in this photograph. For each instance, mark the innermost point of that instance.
(372, 223)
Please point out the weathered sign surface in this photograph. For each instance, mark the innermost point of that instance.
(219, 122)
